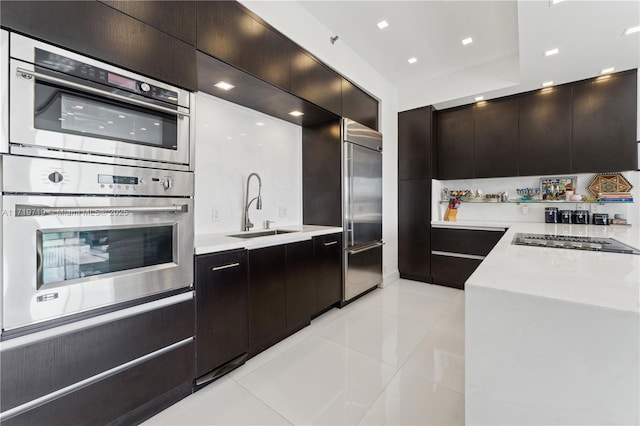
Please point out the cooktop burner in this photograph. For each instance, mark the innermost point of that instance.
(574, 243)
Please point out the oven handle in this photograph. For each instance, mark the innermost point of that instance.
(31, 74)
(32, 210)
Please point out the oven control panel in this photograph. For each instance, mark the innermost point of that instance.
(50, 176)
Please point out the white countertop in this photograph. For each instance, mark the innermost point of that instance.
(610, 280)
(211, 243)
(489, 225)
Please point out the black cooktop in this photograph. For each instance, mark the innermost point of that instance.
(573, 243)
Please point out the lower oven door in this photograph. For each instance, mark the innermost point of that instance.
(67, 255)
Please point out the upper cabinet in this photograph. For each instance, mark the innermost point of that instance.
(455, 143)
(583, 127)
(313, 81)
(359, 106)
(97, 30)
(604, 124)
(544, 134)
(496, 138)
(414, 143)
(176, 18)
(100, 31)
(231, 34)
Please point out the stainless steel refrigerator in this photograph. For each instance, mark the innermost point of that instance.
(362, 208)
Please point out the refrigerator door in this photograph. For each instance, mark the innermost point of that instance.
(364, 269)
(363, 195)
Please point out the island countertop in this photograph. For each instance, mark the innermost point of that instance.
(610, 280)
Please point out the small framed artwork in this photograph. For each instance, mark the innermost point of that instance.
(555, 188)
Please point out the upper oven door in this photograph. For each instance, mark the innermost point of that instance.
(67, 255)
(63, 111)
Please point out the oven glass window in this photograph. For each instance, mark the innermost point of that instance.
(63, 111)
(70, 255)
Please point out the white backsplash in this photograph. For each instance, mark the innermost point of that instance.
(529, 212)
(229, 147)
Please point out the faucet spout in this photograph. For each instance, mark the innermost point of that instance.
(247, 223)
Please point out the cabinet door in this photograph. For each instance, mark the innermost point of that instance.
(176, 18)
(455, 140)
(267, 297)
(228, 32)
(300, 284)
(604, 124)
(414, 224)
(221, 309)
(414, 143)
(465, 241)
(452, 271)
(496, 138)
(359, 106)
(313, 81)
(328, 269)
(545, 132)
(97, 30)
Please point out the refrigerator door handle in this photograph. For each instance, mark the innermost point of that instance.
(363, 249)
(350, 174)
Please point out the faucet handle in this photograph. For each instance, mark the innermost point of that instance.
(267, 224)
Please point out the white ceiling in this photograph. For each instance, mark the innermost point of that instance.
(507, 53)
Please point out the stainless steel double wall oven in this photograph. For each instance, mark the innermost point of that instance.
(97, 192)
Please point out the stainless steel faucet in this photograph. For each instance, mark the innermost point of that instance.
(247, 223)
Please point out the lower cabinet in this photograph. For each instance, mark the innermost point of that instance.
(221, 313)
(328, 271)
(147, 360)
(456, 253)
(300, 287)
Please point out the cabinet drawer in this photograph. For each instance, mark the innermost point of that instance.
(452, 271)
(464, 240)
(33, 370)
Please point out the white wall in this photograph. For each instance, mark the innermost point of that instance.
(531, 212)
(299, 25)
(229, 146)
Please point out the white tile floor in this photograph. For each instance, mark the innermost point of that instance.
(394, 357)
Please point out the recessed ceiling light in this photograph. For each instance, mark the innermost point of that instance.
(551, 52)
(383, 24)
(224, 85)
(259, 123)
(296, 113)
(632, 30)
(467, 40)
(479, 98)
(412, 60)
(607, 70)
(556, 1)
(547, 84)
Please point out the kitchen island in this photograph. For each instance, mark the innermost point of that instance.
(553, 335)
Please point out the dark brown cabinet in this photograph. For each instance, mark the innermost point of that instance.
(604, 124)
(228, 32)
(221, 309)
(414, 143)
(100, 31)
(496, 138)
(313, 81)
(544, 136)
(456, 253)
(267, 297)
(328, 271)
(415, 129)
(414, 225)
(455, 143)
(300, 288)
(359, 106)
(37, 369)
(176, 18)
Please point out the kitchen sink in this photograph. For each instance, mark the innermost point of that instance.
(261, 233)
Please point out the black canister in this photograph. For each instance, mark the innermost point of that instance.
(566, 216)
(551, 215)
(600, 219)
(581, 217)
